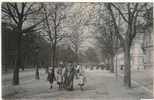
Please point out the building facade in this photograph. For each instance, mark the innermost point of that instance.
(141, 52)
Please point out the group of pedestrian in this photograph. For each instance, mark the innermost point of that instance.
(65, 75)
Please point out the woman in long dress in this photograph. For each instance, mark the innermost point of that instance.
(63, 76)
(71, 77)
(67, 76)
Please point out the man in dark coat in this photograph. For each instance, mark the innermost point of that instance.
(51, 77)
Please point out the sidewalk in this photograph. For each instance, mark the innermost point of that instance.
(101, 85)
(117, 88)
(142, 78)
(25, 77)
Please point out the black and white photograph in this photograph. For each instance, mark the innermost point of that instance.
(77, 50)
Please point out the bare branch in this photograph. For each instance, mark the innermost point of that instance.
(120, 12)
(10, 13)
(115, 24)
(47, 23)
(23, 8)
(135, 9)
(30, 11)
(29, 8)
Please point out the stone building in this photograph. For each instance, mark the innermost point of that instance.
(141, 52)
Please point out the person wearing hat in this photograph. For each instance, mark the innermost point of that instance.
(51, 77)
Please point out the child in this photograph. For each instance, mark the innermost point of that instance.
(82, 80)
(59, 77)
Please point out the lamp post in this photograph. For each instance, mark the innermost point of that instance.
(37, 67)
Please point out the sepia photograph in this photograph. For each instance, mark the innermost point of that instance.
(77, 50)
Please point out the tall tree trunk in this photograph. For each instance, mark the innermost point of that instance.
(53, 62)
(112, 59)
(37, 77)
(22, 64)
(112, 64)
(18, 64)
(108, 63)
(127, 68)
(6, 67)
(77, 58)
(50, 57)
(54, 54)
(54, 41)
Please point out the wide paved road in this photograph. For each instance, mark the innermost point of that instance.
(101, 85)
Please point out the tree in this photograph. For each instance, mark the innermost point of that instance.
(19, 14)
(130, 13)
(54, 16)
(63, 52)
(8, 45)
(91, 56)
(76, 39)
(76, 31)
(106, 39)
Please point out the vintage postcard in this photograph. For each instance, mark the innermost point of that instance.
(77, 50)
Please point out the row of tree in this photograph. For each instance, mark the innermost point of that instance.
(121, 23)
(64, 27)
(40, 34)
